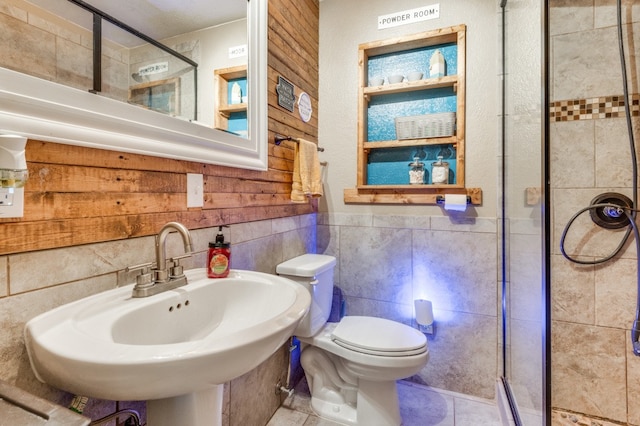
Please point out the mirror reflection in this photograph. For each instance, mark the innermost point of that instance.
(196, 72)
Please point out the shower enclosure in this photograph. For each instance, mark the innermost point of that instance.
(522, 205)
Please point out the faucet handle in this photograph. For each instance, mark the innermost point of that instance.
(177, 269)
(145, 278)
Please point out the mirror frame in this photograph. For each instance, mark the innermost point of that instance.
(43, 110)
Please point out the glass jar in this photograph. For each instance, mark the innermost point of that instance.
(439, 171)
(416, 171)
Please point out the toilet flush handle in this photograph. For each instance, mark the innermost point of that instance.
(314, 282)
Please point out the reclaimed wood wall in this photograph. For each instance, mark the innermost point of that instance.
(78, 195)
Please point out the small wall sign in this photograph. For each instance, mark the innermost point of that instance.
(238, 51)
(409, 16)
(154, 68)
(304, 107)
(286, 96)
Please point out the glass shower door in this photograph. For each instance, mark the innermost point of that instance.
(522, 224)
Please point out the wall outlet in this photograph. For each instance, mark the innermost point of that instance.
(11, 202)
(195, 190)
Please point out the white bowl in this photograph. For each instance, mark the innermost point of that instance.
(376, 81)
(393, 79)
(414, 76)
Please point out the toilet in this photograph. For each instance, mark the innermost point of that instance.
(351, 366)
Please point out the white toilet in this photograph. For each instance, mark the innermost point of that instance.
(351, 366)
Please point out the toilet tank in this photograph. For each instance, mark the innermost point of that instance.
(315, 272)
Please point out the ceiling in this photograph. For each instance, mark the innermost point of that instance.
(158, 19)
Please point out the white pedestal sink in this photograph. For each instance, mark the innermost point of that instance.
(174, 349)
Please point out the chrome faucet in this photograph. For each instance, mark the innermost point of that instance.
(162, 278)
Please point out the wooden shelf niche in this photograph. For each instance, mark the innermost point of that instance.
(383, 158)
(230, 116)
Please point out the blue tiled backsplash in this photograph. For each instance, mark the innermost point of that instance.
(391, 166)
(413, 60)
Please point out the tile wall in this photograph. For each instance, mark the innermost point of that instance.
(385, 262)
(35, 282)
(44, 45)
(594, 372)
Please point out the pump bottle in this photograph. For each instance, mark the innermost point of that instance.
(219, 257)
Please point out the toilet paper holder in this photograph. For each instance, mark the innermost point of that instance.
(440, 200)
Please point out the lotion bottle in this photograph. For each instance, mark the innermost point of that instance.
(219, 257)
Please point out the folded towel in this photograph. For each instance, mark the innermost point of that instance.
(306, 172)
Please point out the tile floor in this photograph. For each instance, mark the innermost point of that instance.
(419, 406)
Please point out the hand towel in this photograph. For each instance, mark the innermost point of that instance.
(306, 172)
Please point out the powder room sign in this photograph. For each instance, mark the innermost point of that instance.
(409, 16)
(286, 96)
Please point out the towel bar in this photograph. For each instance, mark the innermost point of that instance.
(279, 138)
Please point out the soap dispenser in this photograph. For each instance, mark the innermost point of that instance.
(219, 257)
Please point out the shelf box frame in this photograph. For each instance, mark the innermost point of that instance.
(411, 194)
(223, 108)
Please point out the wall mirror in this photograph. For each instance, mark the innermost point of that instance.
(149, 102)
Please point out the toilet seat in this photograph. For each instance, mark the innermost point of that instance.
(378, 336)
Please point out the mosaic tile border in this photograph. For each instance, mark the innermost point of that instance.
(592, 108)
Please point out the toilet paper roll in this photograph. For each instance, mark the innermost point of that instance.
(455, 202)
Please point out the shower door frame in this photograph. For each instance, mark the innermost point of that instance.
(545, 353)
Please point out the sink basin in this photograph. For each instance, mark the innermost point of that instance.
(174, 344)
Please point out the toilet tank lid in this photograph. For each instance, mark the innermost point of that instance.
(307, 265)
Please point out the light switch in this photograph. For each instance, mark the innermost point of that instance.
(195, 190)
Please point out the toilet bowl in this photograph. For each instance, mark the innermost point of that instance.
(351, 366)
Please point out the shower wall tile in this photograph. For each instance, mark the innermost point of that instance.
(14, 10)
(613, 155)
(584, 238)
(573, 291)
(633, 385)
(570, 16)
(605, 12)
(583, 64)
(573, 154)
(615, 293)
(589, 370)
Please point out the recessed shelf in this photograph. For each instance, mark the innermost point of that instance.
(378, 106)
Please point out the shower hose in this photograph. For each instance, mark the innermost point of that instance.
(631, 212)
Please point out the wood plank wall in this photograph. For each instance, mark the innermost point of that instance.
(78, 195)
